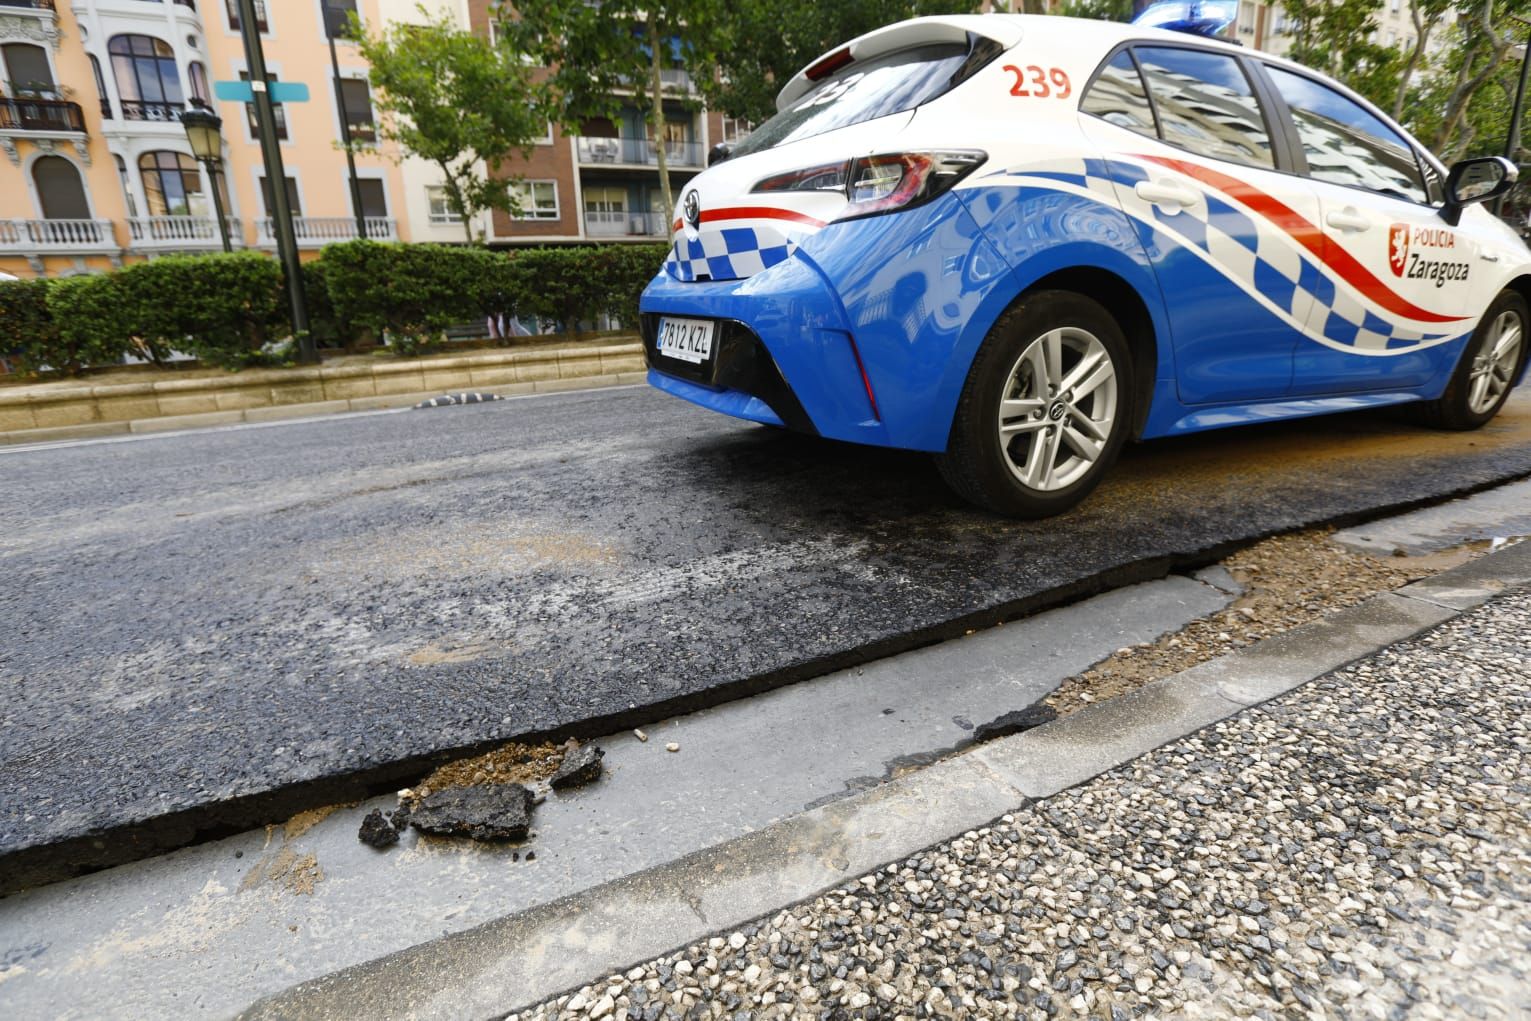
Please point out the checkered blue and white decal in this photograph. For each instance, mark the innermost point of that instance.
(738, 242)
(731, 253)
(1254, 241)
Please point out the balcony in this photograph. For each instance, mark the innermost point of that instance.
(639, 152)
(56, 237)
(144, 110)
(179, 232)
(46, 115)
(44, 6)
(316, 231)
(625, 225)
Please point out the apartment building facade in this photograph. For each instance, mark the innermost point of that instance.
(600, 183)
(95, 165)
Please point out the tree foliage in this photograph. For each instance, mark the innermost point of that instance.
(603, 54)
(450, 96)
(1454, 98)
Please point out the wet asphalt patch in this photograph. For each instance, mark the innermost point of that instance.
(212, 631)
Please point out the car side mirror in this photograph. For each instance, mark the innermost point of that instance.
(1476, 180)
(719, 153)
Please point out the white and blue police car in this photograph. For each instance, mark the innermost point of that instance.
(1019, 241)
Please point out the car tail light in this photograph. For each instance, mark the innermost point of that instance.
(829, 65)
(829, 177)
(883, 183)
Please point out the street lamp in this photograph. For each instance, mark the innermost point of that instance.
(203, 132)
(337, 24)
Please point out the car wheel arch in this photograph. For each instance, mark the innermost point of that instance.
(1132, 313)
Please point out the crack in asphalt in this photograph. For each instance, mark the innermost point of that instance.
(171, 677)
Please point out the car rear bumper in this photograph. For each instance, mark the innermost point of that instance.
(871, 325)
(782, 352)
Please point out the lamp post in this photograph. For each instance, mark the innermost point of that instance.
(337, 23)
(271, 155)
(1512, 138)
(202, 131)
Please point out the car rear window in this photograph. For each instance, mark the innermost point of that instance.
(882, 85)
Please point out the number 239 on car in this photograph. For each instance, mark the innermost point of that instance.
(1018, 242)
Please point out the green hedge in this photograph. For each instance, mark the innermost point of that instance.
(29, 337)
(88, 315)
(222, 309)
(231, 309)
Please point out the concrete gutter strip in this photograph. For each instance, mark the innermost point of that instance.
(525, 958)
(40, 413)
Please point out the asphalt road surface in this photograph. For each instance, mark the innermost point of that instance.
(211, 630)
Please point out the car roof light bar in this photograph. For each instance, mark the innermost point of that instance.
(1207, 18)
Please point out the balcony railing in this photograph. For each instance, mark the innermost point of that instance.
(143, 110)
(312, 231)
(41, 115)
(180, 231)
(56, 235)
(624, 225)
(640, 151)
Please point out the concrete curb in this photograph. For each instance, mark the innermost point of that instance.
(525, 958)
(317, 409)
(46, 412)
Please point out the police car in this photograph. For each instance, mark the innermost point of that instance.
(1019, 241)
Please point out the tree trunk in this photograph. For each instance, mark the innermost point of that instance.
(656, 98)
(1456, 107)
(454, 193)
(1422, 28)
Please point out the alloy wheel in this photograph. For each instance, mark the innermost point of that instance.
(1494, 368)
(1057, 409)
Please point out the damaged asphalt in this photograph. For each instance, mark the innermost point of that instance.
(210, 631)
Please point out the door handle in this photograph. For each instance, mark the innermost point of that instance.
(1168, 194)
(1489, 256)
(1348, 220)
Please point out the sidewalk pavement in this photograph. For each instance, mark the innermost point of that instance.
(1359, 847)
(70, 409)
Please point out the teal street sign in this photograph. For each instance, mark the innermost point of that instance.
(241, 92)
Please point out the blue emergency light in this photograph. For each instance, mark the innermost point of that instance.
(1197, 17)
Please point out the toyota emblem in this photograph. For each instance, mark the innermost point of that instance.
(691, 207)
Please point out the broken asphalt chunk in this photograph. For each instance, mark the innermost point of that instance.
(1015, 722)
(377, 832)
(581, 765)
(500, 812)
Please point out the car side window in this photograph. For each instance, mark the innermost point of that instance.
(1345, 143)
(1117, 95)
(1206, 104)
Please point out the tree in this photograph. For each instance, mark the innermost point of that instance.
(750, 72)
(1337, 37)
(602, 53)
(1099, 10)
(455, 99)
(1426, 15)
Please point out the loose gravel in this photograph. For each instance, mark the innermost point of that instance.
(1289, 580)
(1359, 848)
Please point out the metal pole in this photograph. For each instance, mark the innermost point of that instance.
(223, 223)
(1512, 139)
(276, 176)
(345, 138)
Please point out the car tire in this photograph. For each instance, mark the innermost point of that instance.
(1482, 380)
(1023, 445)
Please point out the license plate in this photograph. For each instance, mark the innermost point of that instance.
(689, 340)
